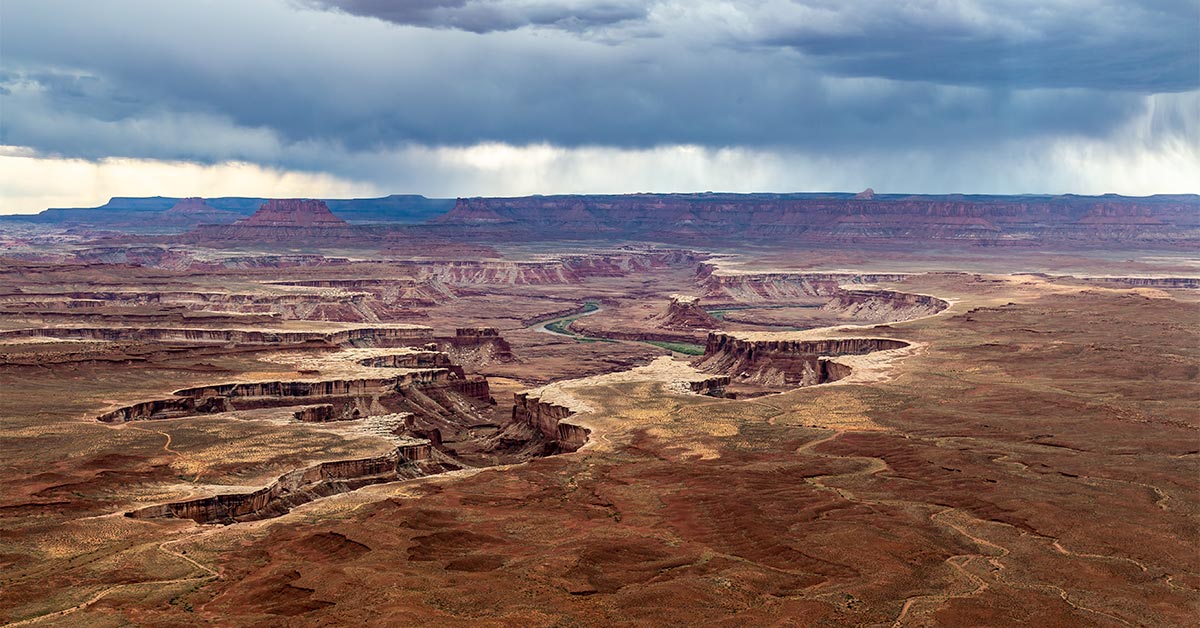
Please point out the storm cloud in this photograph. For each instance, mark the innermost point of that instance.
(484, 16)
(340, 87)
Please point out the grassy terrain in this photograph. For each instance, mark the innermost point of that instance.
(685, 348)
(720, 312)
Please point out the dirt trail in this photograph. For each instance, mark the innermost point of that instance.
(166, 446)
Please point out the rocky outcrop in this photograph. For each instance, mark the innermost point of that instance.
(413, 360)
(170, 408)
(685, 313)
(785, 362)
(711, 387)
(282, 220)
(322, 413)
(412, 460)
(476, 346)
(293, 212)
(548, 421)
(836, 218)
(833, 370)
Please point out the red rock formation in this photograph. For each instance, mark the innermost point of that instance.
(548, 420)
(412, 359)
(283, 220)
(476, 346)
(293, 212)
(321, 413)
(785, 362)
(686, 313)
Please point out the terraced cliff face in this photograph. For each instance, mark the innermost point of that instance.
(686, 313)
(348, 398)
(381, 336)
(408, 461)
(725, 287)
(548, 422)
(1011, 220)
(293, 212)
(476, 346)
(783, 361)
(829, 290)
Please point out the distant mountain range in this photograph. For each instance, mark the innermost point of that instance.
(864, 218)
(781, 219)
(149, 214)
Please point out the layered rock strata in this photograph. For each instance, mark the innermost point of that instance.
(884, 305)
(733, 288)
(412, 460)
(685, 313)
(567, 269)
(548, 421)
(281, 220)
(347, 398)
(786, 362)
(476, 346)
(1183, 283)
(369, 336)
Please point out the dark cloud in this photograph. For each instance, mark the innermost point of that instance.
(1127, 46)
(283, 84)
(485, 16)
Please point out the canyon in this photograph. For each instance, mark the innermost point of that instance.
(646, 409)
(301, 486)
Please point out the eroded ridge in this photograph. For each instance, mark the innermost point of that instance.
(351, 398)
(379, 336)
(427, 399)
(412, 460)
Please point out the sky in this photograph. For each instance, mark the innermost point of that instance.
(447, 98)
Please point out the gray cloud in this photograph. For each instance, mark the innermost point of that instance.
(484, 16)
(1103, 44)
(284, 84)
(1150, 45)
